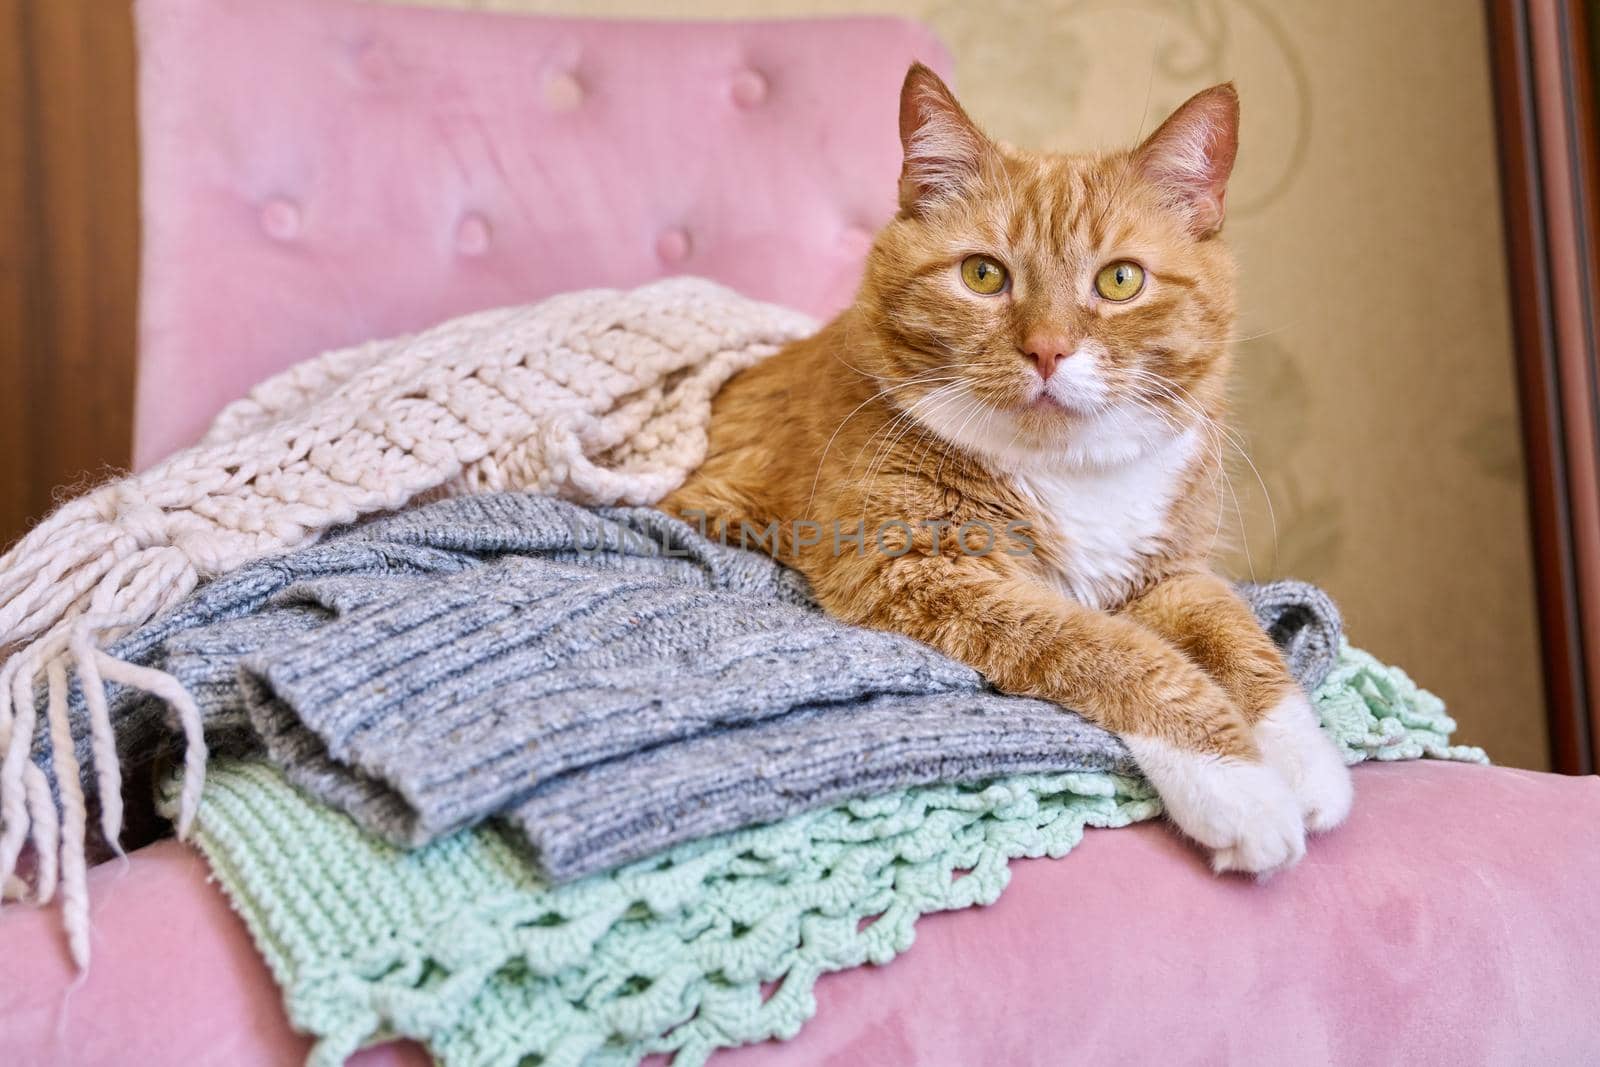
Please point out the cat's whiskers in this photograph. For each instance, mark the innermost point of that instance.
(930, 441)
(1227, 433)
(1217, 431)
(943, 368)
(1223, 435)
(945, 396)
(902, 413)
(1218, 471)
(882, 323)
(936, 375)
(1011, 193)
(1016, 432)
(1235, 340)
(935, 439)
(979, 407)
(953, 395)
(902, 425)
(1108, 202)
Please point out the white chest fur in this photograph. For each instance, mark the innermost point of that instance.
(1103, 520)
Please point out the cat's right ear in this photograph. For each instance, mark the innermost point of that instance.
(944, 150)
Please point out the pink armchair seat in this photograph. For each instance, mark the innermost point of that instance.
(320, 173)
(1478, 945)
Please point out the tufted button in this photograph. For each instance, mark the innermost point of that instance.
(674, 245)
(749, 88)
(280, 218)
(856, 241)
(472, 235)
(562, 91)
(373, 61)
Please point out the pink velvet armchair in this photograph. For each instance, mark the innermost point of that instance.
(320, 173)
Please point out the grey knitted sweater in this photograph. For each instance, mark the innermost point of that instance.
(610, 682)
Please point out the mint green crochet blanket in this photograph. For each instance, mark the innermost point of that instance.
(460, 946)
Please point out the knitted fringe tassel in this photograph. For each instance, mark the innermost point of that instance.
(599, 396)
(116, 585)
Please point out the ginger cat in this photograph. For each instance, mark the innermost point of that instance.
(1010, 448)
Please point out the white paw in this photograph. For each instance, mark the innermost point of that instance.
(1291, 739)
(1243, 812)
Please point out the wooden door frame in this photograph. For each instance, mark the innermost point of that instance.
(1544, 109)
(69, 250)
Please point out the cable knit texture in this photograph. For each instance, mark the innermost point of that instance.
(599, 396)
(716, 943)
(520, 655)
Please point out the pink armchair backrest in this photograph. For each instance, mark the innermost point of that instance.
(321, 172)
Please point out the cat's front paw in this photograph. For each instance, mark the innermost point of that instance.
(1291, 739)
(1244, 812)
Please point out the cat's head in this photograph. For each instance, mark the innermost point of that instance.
(1071, 307)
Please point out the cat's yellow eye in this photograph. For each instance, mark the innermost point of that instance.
(983, 275)
(1119, 281)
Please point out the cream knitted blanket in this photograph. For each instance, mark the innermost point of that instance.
(599, 397)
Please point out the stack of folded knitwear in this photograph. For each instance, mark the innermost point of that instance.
(515, 759)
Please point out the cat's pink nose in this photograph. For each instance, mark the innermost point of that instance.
(1046, 350)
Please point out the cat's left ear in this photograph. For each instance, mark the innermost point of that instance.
(1191, 156)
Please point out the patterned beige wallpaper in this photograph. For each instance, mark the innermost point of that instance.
(1376, 391)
